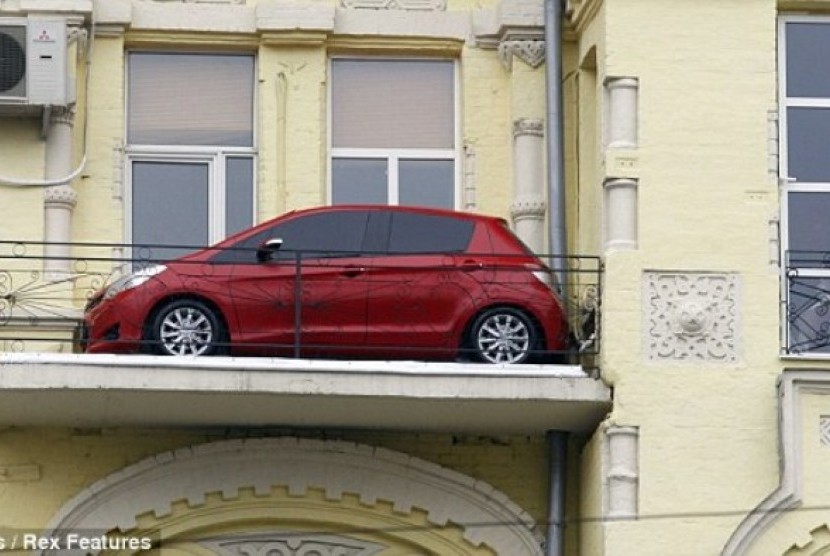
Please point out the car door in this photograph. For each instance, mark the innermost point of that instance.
(309, 296)
(417, 292)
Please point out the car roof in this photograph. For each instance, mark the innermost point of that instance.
(395, 208)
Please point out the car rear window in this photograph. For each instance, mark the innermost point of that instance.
(428, 233)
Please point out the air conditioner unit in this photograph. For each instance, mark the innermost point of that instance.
(33, 65)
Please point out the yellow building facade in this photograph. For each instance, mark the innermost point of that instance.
(697, 415)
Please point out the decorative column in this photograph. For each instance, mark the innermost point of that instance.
(516, 31)
(528, 208)
(623, 471)
(58, 201)
(621, 182)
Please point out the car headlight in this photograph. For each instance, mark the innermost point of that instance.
(133, 280)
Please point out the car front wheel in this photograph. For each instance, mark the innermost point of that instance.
(187, 327)
(503, 335)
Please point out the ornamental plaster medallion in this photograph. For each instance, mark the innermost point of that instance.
(691, 317)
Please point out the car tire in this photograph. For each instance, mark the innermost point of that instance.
(504, 335)
(187, 327)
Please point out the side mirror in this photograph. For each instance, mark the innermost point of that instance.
(266, 250)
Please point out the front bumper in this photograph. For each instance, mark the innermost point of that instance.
(112, 326)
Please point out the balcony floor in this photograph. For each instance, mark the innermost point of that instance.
(39, 389)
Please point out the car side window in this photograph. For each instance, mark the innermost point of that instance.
(428, 233)
(331, 234)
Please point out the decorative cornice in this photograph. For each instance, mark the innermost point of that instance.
(514, 28)
(420, 5)
(196, 1)
(581, 13)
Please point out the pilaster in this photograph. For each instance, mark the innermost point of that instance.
(58, 201)
(529, 206)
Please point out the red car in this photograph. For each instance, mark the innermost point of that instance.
(342, 281)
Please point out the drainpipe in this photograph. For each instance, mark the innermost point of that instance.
(558, 243)
(558, 449)
(557, 238)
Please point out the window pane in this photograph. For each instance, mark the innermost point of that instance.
(190, 99)
(326, 234)
(359, 180)
(808, 67)
(808, 222)
(239, 197)
(170, 207)
(808, 144)
(428, 183)
(393, 104)
(423, 233)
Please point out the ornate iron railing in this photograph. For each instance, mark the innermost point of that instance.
(806, 302)
(43, 299)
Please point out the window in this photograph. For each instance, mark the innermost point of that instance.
(330, 234)
(805, 167)
(393, 138)
(423, 233)
(190, 145)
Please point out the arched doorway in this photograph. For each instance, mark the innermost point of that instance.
(290, 496)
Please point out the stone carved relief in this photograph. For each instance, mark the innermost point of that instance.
(531, 52)
(824, 430)
(291, 544)
(691, 317)
(422, 5)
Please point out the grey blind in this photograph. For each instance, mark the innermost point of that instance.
(393, 104)
(190, 99)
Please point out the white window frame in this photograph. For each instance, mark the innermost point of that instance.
(217, 163)
(789, 184)
(392, 156)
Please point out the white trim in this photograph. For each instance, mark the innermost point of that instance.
(792, 386)
(787, 184)
(217, 184)
(374, 474)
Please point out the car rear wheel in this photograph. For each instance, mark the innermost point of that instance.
(503, 335)
(187, 327)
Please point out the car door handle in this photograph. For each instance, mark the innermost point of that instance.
(470, 265)
(352, 271)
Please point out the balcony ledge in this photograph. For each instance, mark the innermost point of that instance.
(38, 389)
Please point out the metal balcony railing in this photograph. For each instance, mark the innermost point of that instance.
(43, 299)
(806, 302)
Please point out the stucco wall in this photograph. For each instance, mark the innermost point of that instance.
(50, 466)
(707, 443)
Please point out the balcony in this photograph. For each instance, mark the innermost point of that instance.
(295, 380)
